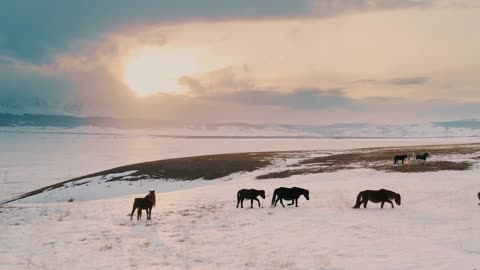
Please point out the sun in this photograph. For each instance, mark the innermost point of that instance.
(158, 69)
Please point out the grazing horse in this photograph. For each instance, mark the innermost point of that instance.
(144, 203)
(398, 158)
(249, 194)
(424, 156)
(289, 194)
(377, 196)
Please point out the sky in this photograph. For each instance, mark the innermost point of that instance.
(252, 61)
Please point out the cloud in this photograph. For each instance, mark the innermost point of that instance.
(36, 30)
(304, 99)
(409, 81)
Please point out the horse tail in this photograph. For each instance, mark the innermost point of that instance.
(359, 200)
(273, 197)
(133, 210)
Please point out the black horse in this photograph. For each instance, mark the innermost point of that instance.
(377, 196)
(249, 194)
(424, 156)
(289, 194)
(398, 158)
(144, 203)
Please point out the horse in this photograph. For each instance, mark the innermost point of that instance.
(424, 156)
(377, 196)
(289, 194)
(144, 203)
(398, 158)
(249, 194)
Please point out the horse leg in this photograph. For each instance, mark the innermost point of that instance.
(292, 203)
(251, 203)
(281, 202)
(139, 213)
(238, 202)
(391, 204)
(133, 211)
(150, 213)
(276, 201)
(365, 203)
(382, 204)
(241, 203)
(296, 202)
(258, 202)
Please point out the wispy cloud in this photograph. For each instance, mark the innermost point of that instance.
(409, 81)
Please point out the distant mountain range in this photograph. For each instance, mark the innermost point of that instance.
(63, 123)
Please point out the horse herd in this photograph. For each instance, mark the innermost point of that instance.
(282, 193)
(411, 158)
(293, 194)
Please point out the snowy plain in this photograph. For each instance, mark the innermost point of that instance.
(436, 227)
(195, 224)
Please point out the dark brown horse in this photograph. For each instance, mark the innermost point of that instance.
(144, 203)
(398, 158)
(249, 194)
(289, 194)
(377, 196)
(424, 156)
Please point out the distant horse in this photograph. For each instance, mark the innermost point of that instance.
(144, 203)
(377, 196)
(398, 158)
(424, 156)
(289, 194)
(249, 194)
(411, 156)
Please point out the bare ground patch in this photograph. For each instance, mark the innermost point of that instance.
(380, 159)
(433, 166)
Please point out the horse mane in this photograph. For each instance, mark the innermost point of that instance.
(153, 199)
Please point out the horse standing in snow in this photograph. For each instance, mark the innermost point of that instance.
(249, 194)
(289, 194)
(144, 203)
(377, 196)
(398, 158)
(424, 156)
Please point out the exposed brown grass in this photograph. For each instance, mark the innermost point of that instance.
(428, 167)
(189, 168)
(371, 157)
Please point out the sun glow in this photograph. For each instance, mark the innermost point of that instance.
(158, 69)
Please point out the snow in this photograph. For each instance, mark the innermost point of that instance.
(195, 225)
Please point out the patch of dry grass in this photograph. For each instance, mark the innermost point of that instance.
(433, 166)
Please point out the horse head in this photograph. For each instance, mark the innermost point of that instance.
(151, 195)
(305, 193)
(398, 199)
(262, 194)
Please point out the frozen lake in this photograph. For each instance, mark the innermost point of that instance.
(34, 160)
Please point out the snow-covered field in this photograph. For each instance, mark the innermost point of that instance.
(436, 227)
(195, 224)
